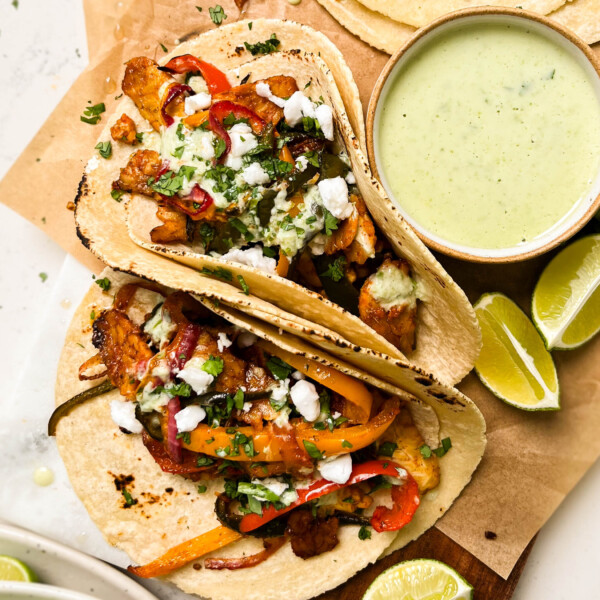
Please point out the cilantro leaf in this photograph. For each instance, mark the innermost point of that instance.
(279, 368)
(364, 533)
(217, 14)
(213, 366)
(244, 285)
(219, 272)
(103, 284)
(266, 47)
(104, 149)
(312, 450)
(336, 270)
(116, 194)
(387, 449)
(331, 223)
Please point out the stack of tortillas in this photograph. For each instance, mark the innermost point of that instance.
(387, 24)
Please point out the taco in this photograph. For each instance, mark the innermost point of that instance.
(281, 206)
(236, 461)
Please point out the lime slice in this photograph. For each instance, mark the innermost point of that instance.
(566, 300)
(12, 569)
(421, 579)
(514, 363)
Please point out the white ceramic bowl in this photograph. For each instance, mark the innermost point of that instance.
(563, 229)
(11, 590)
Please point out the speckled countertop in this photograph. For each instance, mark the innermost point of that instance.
(42, 50)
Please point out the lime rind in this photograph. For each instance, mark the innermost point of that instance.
(525, 368)
(420, 579)
(577, 290)
(13, 569)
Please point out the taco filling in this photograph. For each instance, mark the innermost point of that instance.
(300, 447)
(254, 174)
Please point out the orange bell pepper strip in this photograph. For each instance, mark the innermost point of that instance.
(286, 155)
(195, 120)
(180, 555)
(271, 448)
(352, 389)
(283, 265)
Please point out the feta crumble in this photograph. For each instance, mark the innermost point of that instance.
(337, 469)
(223, 342)
(306, 399)
(246, 339)
(254, 174)
(242, 141)
(252, 257)
(123, 414)
(187, 419)
(334, 193)
(193, 374)
(324, 115)
(197, 102)
(264, 90)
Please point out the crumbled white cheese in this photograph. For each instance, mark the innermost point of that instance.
(242, 141)
(280, 391)
(334, 193)
(254, 174)
(123, 414)
(223, 342)
(264, 90)
(297, 375)
(246, 339)
(187, 418)
(193, 374)
(306, 399)
(296, 107)
(247, 406)
(159, 327)
(301, 163)
(337, 469)
(350, 178)
(92, 164)
(197, 102)
(324, 115)
(252, 257)
(317, 244)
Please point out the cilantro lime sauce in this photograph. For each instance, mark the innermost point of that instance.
(489, 135)
(392, 287)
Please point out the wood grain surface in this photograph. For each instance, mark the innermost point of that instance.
(487, 584)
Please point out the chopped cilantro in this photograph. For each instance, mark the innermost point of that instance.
(266, 47)
(220, 147)
(185, 436)
(244, 285)
(103, 284)
(204, 461)
(179, 132)
(213, 366)
(279, 368)
(139, 137)
(164, 48)
(331, 223)
(346, 444)
(426, 451)
(128, 499)
(219, 272)
(336, 270)
(43, 277)
(207, 233)
(104, 149)
(91, 114)
(201, 488)
(116, 194)
(364, 533)
(199, 8)
(270, 252)
(312, 450)
(250, 25)
(238, 399)
(217, 14)
(93, 315)
(387, 449)
(178, 152)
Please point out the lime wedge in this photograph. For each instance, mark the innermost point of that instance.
(421, 579)
(12, 569)
(566, 300)
(514, 363)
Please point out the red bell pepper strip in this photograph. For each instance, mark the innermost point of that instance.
(215, 79)
(193, 205)
(174, 447)
(399, 515)
(219, 110)
(173, 92)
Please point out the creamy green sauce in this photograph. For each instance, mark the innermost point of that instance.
(491, 136)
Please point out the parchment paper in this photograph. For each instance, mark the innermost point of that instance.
(532, 460)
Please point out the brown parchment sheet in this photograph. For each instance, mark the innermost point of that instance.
(532, 460)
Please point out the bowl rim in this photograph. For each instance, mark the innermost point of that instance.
(593, 207)
(22, 589)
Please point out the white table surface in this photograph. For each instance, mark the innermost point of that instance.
(42, 50)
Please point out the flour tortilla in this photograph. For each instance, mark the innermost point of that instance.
(370, 26)
(448, 337)
(419, 13)
(582, 17)
(170, 510)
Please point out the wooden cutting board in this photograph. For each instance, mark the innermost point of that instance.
(487, 584)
